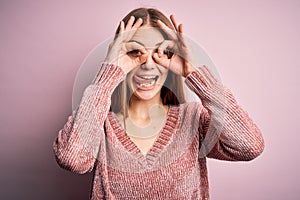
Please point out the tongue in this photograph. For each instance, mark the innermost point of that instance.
(142, 80)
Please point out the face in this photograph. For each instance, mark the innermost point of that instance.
(146, 81)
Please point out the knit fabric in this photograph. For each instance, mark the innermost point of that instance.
(175, 167)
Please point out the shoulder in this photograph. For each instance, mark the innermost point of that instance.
(191, 111)
(191, 107)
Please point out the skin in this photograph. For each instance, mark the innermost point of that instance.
(139, 50)
(179, 62)
(150, 39)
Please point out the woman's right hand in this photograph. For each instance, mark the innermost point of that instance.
(122, 51)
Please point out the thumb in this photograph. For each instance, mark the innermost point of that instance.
(161, 60)
(142, 58)
(139, 61)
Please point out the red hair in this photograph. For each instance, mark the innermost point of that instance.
(172, 92)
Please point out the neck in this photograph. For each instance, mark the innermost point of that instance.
(140, 109)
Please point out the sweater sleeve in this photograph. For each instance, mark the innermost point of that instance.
(226, 130)
(77, 144)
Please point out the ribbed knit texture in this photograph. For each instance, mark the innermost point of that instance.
(175, 166)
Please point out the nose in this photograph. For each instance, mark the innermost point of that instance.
(149, 62)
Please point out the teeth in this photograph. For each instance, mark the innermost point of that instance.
(149, 84)
(148, 77)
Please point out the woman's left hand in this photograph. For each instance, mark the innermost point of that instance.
(180, 61)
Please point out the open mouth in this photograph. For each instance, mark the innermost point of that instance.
(145, 82)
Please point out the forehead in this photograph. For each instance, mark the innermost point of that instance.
(148, 36)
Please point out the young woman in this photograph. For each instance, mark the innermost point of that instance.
(135, 131)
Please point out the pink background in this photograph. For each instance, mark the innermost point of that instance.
(254, 44)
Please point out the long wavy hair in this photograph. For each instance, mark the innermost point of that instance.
(172, 92)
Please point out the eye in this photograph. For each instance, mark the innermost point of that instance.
(168, 52)
(134, 53)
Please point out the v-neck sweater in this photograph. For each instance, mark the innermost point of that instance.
(175, 166)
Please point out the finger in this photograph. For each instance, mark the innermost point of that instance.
(161, 60)
(121, 27)
(163, 46)
(134, 28)
(142, 59)
(181, 38)
(180, 28)
(171, 33)
(174, 22)
(118, 37)
(138, 23)
(129, 23)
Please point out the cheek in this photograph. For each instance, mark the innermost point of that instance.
(129, 80)
(165, 74)
(163, 78)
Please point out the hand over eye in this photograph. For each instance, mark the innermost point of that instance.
(134, 49)
(123, 53)
(180, 61)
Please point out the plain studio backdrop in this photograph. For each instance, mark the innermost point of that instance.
(254, 44)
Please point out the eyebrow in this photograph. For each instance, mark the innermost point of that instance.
(143, 44)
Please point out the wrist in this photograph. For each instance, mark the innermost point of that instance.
(189, 69)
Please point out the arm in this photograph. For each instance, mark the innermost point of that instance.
(77, 144)
(240, 138)
(227, 132)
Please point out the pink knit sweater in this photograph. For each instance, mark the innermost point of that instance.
(175, 167)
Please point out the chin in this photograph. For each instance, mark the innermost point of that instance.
(146, 95)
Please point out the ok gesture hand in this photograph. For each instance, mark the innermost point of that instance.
(119, 48)
(180, 62)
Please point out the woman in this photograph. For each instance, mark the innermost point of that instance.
(135, 131)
